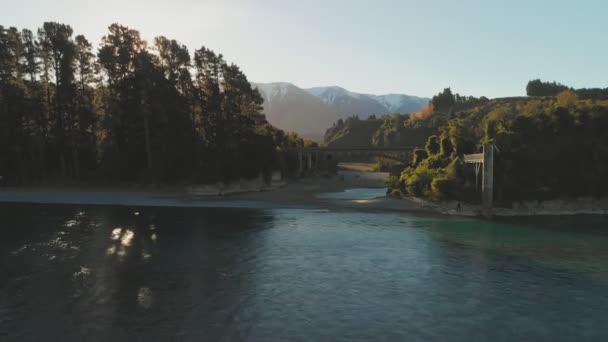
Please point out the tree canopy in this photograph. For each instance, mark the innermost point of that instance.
(549, 147)
(130, 111)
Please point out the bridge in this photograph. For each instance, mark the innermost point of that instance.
(310, 157)
(355, 149)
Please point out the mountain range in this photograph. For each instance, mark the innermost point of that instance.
(311, 111)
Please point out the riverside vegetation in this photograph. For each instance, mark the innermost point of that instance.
(552, 144)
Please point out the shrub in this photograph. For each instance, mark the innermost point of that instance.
(442, 187)
(432, 146)
(454, 170)
(446, 147)
(380, 165)
(567, 99)
(418, 156)
(436, 162)
(396, 193)
(393, 182)
(418, 183)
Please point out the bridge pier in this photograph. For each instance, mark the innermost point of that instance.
(309, 154)
(487, 187)
(300, 164)
(313, 158)
(484, 161)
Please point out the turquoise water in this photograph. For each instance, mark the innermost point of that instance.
(100, 273)
(355, 194)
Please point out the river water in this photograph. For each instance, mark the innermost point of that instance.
(102, 273)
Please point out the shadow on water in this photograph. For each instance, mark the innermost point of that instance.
(114, 271)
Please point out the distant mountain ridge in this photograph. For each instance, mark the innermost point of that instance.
(363, 105)
(293, 109)
(310, 112)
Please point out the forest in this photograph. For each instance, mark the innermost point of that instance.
(551, 145)
(127, 111)
(540, 88)
(385, 131)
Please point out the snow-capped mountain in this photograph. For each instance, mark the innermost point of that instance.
(293, 109)
(310, 112)
(400, 103)
(347, 102)
(351, 103)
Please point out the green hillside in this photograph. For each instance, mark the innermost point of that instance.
(352, 132)
(550, 146)
(387, 131)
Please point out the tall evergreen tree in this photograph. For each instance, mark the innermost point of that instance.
(56, 42)
(129, 112)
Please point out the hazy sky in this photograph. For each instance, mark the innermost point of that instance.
(478, 47)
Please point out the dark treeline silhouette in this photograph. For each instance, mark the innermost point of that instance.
(540, 88)
(447, 101)
(129, 111)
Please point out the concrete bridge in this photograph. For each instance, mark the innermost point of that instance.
(310, 157)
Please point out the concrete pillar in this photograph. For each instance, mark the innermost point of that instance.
(309, 160)
(283, 164)
(487, 187)
(300, 163)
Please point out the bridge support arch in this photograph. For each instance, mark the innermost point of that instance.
(487, 187)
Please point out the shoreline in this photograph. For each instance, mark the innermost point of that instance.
(303, 193)
(557, 207)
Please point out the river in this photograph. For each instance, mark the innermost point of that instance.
(103, 273)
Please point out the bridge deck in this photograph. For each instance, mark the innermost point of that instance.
(476, 158)
(355, 149)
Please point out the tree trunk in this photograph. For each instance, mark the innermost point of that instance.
(62, 164)
(75, 160)
(147, 137)
(42, 160)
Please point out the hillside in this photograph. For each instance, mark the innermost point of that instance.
(348, 103)
(550, 146)
(310, 112)
(364, 105)
(386, 131)
(352, 132)
(293, 109)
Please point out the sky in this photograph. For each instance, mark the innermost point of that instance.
(476, 47)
